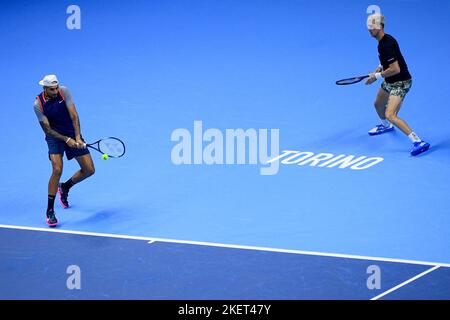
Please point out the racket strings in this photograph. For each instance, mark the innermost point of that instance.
(351, 80)
(112, 147)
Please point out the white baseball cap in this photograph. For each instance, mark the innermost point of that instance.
(49, 81)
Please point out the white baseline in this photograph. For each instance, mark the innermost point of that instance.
(222, 245)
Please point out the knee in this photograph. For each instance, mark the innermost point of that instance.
(89, 171)
(57, 171)
(391, 116)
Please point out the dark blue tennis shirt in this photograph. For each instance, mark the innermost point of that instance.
(57, 113)
(389, 52)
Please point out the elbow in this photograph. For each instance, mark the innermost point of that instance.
(47, 131)
(394, 68)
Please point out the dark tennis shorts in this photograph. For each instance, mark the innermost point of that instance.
(56, 146)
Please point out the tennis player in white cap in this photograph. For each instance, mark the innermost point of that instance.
(58, 118)
(397, 82)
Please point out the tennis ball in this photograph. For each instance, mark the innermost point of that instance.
(105, 156)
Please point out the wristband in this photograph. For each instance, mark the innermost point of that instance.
(378, 75)
(67, 140)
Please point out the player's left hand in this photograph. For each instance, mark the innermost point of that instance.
(372, 78)
(80, 143)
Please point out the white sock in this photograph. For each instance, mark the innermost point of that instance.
(414, 137)
(385, 123)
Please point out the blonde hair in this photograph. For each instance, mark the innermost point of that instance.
(375, 21)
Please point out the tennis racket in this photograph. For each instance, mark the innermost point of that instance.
(113, 147)
(353, 80)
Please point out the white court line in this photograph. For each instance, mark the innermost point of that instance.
(405, 283)
(232, 246)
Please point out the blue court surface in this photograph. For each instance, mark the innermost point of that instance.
(248, 173)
